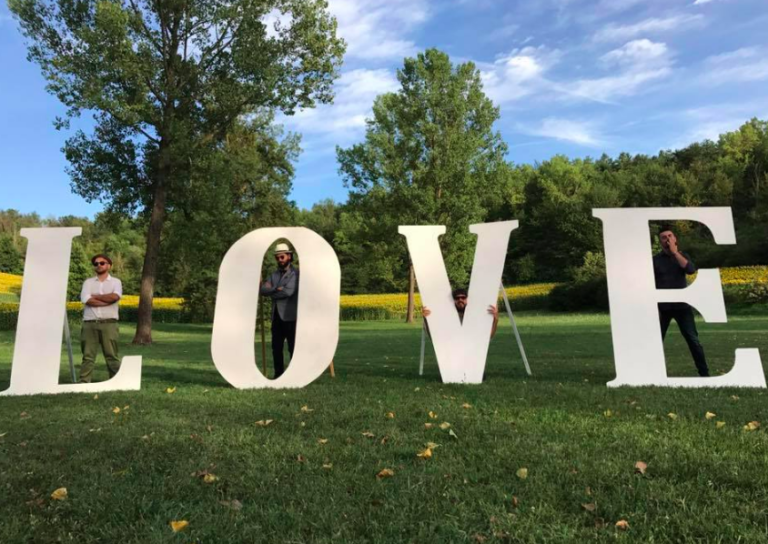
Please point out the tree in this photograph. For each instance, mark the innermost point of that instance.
(240, 187)
(430, 156)
(166, 79)
(11, 261)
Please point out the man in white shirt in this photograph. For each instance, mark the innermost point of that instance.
(100, 295)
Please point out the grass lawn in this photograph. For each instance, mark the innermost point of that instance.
(310, 476)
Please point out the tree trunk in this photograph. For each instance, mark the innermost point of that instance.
(149, 271)
(411, 295)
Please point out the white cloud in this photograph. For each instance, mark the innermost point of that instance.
(709, 122)
(614, 33)
(743, 65)
(637, 63)
(700, 2)
(378, 29)
(518, 74)
(566, 130)
(345, 118)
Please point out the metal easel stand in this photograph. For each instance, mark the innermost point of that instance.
(68, 340)
(514, 328)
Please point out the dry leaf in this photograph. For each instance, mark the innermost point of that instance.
(95, 397)
(720, 424)
(641, 467)
(432, 445)
(3, 434)
(522, 473)
(384, 440)
(116, 410)
(60, 494)
(179, 525)
(589, 506)
(390, 415)
(515, 502)
(264, 422)
(445, 425)
(306, 409)
(752, 426)
(417, 390)
(672, 415)
(385, 473)
(328, 466)
(210, 478)
(322, 440)
(302, 424)
(24, 415)
(170, 390)
(301, 459)
(368, 434)
(426, 454)
(453, 434)
(734, 397)
(428, 425)
(466, 405)
(710, 415)
(622, 524)
(432, 415)
(607, 413)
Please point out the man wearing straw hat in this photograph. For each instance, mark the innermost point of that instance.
(282, 287)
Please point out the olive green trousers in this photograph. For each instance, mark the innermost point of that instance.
(95, 335)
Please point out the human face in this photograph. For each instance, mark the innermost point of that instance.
(101, 266)
(667, 238)
(460, 301)
(283, 259)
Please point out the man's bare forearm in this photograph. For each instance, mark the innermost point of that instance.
(110, 298)
(96, 303)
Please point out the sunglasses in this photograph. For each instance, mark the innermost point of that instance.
(460, 297)
(100, 263)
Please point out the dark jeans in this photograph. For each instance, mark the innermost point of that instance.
(281, 331)
(684, 317)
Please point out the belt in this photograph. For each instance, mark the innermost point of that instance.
(100, 321)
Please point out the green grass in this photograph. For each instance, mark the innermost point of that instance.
(129, 475)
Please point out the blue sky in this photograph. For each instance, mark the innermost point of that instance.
(576, 77)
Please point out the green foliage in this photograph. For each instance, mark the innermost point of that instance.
(11, 260)
(588, 289)
(430, 156)
(80, 269)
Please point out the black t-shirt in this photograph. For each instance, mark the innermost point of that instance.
(670, 275)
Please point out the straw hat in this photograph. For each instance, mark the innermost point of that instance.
(282, 248)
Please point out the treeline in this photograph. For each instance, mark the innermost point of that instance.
(430, 156)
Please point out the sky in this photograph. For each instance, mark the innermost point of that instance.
(573, 77)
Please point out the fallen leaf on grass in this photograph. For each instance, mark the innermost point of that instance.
(385, 473)
(445, 426)
(622, 524)
(116, 410)
(264, 422)
(234, 504)
(60, 494)
(384, 440)
(589, 506)
(170, 390)
(210, 478)
(432, 415)
(734, 397)
(710, 415)
(607, 413)
(307, 409)
(95, 397)
(432, 445)
(301, 459)
(672, 415)
(3, 434)
(641, 467)
(752, 426)
(180, 525)
(720, 424)
(368, 434)
(390, 415)
(24, 415)
(466, 405)
(515, 502)
(327, 466)
(428, 425)
(322, 440)
(453, 434)
(426, 454)
(522, 473)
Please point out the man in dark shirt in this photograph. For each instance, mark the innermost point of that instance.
(670, 268)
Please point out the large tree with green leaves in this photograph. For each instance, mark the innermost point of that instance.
(166, 81)
(430, 156)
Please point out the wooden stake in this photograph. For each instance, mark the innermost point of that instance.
(333, 372)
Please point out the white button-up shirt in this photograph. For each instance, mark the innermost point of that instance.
(92, 286)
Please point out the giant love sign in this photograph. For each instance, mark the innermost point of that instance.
(461, 347)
